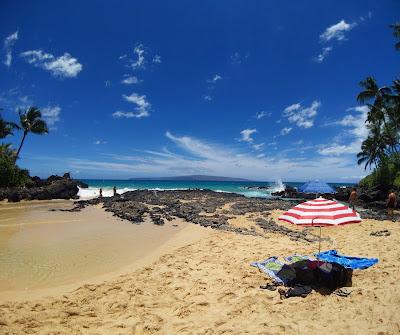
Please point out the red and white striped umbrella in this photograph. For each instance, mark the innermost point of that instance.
(320, 212)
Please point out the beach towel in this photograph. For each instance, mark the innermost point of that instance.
(271, 266)
(296, 258)
(348, 262)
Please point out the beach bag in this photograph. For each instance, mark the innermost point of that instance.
(334, 275)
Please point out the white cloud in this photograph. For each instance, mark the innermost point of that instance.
(139, 52)
(130, 80)
(98, 142)
(207, 98)
(8, 44)
(63, 66)
(246, 135)
(303, 117)
(285, 131)
(157, 59)
(262, 114)
(258, 146)
(337, 31)
(51, 115)
(202, 157)
(237, 58)
(14, 99)
(142, 107)
(214, 79)
(324, 53)
(355, 133)
(107, 83)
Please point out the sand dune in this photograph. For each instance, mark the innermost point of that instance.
(208, 287)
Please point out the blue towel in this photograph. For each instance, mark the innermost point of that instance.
(346, 261)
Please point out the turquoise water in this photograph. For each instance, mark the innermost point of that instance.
(219, 186)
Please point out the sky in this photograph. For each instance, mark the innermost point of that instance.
(263, 90)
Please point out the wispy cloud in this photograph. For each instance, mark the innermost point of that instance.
(238, 58)
(212, 81)
(285, 131)
(262, 114)
(200, 156)
(142, 107)
(8, 45)
(246, 135)
(211, 85)
(303, 117)
(355, 131)
(259, 146)
(15, 99)
(99, 142)
(337, 31)
(64, 66)
(157, 59)
(139, 62)
(129, 80)
(324, 53)
(51, 115)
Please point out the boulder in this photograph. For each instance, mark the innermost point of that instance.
(54, 187)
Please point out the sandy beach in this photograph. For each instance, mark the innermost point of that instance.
(200, 282)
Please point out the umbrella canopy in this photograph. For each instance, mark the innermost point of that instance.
(320, 212)
(316, 187)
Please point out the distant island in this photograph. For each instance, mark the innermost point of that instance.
(193, 178)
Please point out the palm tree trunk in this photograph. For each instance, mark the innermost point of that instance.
(20, 146)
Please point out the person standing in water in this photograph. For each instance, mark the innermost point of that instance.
(114, 191)
(101, 193)
(391, 204)
(353, 198)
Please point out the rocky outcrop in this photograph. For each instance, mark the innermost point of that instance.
(368, 198)
(54, 187)
(203, 207)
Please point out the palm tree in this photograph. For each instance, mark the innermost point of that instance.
(381, 109)
(396, 33)
(6, 128)
(379, 95)
(31, 122)
(372, 149)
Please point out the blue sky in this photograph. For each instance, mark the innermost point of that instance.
(254, 89)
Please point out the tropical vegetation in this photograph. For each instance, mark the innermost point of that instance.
(381, 149)
(30, 121)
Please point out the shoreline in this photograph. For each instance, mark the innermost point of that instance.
(186, 236)
(200, 280)
(176, 237)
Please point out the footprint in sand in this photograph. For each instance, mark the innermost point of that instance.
(226, 296)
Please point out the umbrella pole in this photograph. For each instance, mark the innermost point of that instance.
(319, 241)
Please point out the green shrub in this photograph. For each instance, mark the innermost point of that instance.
(396, 183)
(11, 175)
(385, 176)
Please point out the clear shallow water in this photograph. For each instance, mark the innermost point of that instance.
(219, 186)
(41, 248)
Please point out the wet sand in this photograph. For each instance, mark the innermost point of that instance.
(206, 286)
(41, 249)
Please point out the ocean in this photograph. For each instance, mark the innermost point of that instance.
(239, 187)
